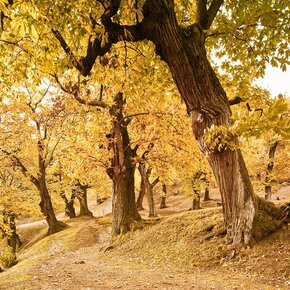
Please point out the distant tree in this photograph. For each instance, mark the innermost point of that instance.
(33, 132)
(163, 197)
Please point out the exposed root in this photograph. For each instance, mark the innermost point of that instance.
(268, 218)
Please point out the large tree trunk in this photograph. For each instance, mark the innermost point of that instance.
(184, 52)
(125, 214)
(270, 166)
(47, 209)
(45, 200)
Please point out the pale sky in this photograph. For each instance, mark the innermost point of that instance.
(276, 81)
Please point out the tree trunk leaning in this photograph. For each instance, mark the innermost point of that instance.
(184, 52)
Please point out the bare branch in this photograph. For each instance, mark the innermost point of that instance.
(236, 100)
(154, 182)
(74, 91)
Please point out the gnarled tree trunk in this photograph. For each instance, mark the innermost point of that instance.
(183, 49)
(184, 52)
(125, 214)
(45, 200)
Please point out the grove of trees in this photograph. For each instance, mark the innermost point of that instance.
(93, 90)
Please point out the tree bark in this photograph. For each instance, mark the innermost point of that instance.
(163, 197)
(13, 239)
(183, 49)
(142, 170)
(45, 200)
(150, 194)
(125, 214)
(80, 192)
(196, 200)
(270, 166)
(142, 190)
(47, 208)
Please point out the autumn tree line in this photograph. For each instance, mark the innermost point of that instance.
(93, 90)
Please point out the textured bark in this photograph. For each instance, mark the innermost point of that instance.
(125, 214)
(45, 200)
(184, 52)
(270, 166)
(142, 190)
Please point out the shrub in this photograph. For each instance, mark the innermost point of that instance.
(7, 258)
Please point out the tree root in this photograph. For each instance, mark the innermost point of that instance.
(268, 218)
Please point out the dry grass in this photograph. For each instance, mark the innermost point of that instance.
(180, 242)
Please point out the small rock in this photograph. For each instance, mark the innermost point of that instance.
(80, 262)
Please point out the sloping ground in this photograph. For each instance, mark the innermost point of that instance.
(185, 242)
(176, 252)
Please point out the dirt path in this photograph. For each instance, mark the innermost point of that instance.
(90, 268)
(82, 264)
(84, 269)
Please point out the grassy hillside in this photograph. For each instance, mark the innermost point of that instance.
(188, 243)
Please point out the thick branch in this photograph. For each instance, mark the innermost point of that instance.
(67, 50)
(201, 12)
(93, 103)
(74, 91)
(212, 11)
(235, 101)
(154, 182)
(19, 164)
(204, 16)
(115, 33)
